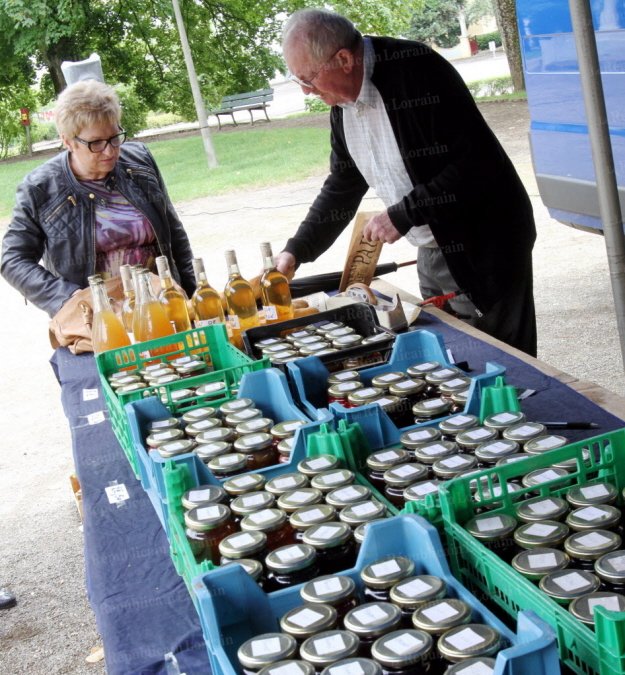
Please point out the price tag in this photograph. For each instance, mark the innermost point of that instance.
(444, 372)
(226, 460)
(542, 507)
(389, 377)
(465, 639)
(440, 612)
(329, 645)
(368, 391)
(325, 532)
(453, 462)
(476, 669)
(265, 647)
(234, 322)
(305, 618)
(525, 430)
(300, 497)
(313, 514)
(405, 384)
(90, 394)
(369, 615)
(256, 423)
(540, 530)
(403, 644)
(327, 586)
(383, 401)
(498, 447)
(425, 488)
(435, 449)
(96, 417)
(489, 524)
(117, 493)
(289, 669)
(290, 426)
(546, 475)
(385, 568)
(541, 560)
(343, 376)
(571, 582)
(547, 442)
(271, 313)
(199, 495)
(592, 491)
(456, 382)
(423, 366)
(242, 481)
(251, 439)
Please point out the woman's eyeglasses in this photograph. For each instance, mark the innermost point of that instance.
(99, 145)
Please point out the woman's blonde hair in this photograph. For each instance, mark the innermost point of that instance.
(84, 104)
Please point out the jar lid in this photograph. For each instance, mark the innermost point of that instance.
(207, 517)
(311, 466)
(405, 475)
(327, 535)
(306, 620)
(162, 425)
(511, 459)
(307, 516)
(543, 533)
(236, 405)
(287, 428)
(503, 420)
(352, 494)
(421, 369)
(456, 423)
(212, 389)
(419, 437)
(386, 572)
(385, 380)
(265, 649)
(286, 482)
(252, 567)
(123, 374)
(492, 451)
(331, 589)
(267, 342)
(343, 389)
(485, 493)
(591, 493)
(253, 442)
(591, 545)
(216, 435)
(191, 368)
(329, 646)
(435, 377)
(364, 395)
(440, 615)
(490, 527)
(541, 508)
(276, 348)
(411, 592)
(195, 428)
(265, 520)
(361, 530)
(175, 394)
(290, 666)
(363, 512)
(242, 544)
(583, 608)
(472, 438)
(332, 479)
(158, 438)
(601, 516)
(199, 414)
(285, 357)
(344, 341)
(245, 415)
(402, 648)
(299, 334)
(343, 376)
(385, 459)
(294, 499)
(460, 398)
(147, 370)
(430, 452)
(407, 387)
(481, 665)
(252, 502)
(358, 665)
(390, 403)
(611, 567)
(240, 485)
(454, 385)
(524, 431)
(231, 462)
(448, 467)
(339, 331)
(206, 451)
(372, 618)
(419, 491)
(535, 563)
(203, 494)
(431, 407)
(544, 475)
(253, 426)
(314, 348)
(309, 340)
(474, 639)
(175, 448)
(571, 464)
(285, 446)
(291, 558)
(564, 585)
(544, 443)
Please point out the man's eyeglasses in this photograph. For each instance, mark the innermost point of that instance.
(100, 144)
(309, 82)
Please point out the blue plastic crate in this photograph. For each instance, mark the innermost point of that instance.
(233, 608)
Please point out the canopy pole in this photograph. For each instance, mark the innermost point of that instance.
(607, 186)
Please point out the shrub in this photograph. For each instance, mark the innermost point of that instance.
(155, 120)
(483, 40)
(315, 105)
(134, 111)
(492, 86)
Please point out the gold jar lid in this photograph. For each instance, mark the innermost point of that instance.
(244, 415)
(328, 647)
(351, 494)
(265, 520)
(492, 451)
(541, 508)
(242, 545)
(453, 425)
(385, 380)
(418, 492)
(372, 619)
(610, 567)
(567, 584)
(287, 428)
(203, 494)
(256, 425)
(363, 512)
(311, 466)
(307, 516)
(175, 448)
(331, 589)
(327, 535)
(163, 425)
(233, 461)
(544, 475)
(407, 387)
(236, 405)
(252, 502)
(414, 591)
(240, 485)
(436, 377)
(591, 545)
(207, 517)
(212, 390)
(438, 616)
(386, 459)
(364, 395)
(405, 474)
(158, 438)
(195, 428)
(266, 648)
(591, 494)
(296, 499)
(386, 572)
(549, 533)
(524, 431)
(601, 516)
(343, 376)
(430, 408)
(199, 414)
(215, 435)
(491, 526)
(449, 467)
(404, 648)
(503, 420)
(286, 482)
(291, 558)
(418, 437)
(474, 639)
(306, 620)
(536, 562)
(454, 385)
(584, 608)
(473, 438)
(253, 442)
(421, 369)
(206, 451)
(544, 443)
(430, 452)
(332, 479)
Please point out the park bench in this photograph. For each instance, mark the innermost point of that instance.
(250, 101)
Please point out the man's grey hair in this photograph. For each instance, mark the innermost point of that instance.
(323, 32)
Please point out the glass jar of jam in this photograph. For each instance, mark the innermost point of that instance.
(370, 621)
(233, 419)
(495, 532)
(248, 545)
(539, 476)
(285, 448)
(470, 439)
(311, 466)
(206, 526)
(306, 620)
(501, 421)
(585, 547)
(314, 348)
(610, 568)
(421, 369)
(343, 376)
(258, 449)
(274, 523)
(571, 464)
(236, 405)
(158, 438)
(346, 341)
(255, 426)
(524, 432)
(174, 396)
(430, 408)
(411, 440)
(544, 443)
(241, 485)
(199, 414)
(439, 616)
(455, 424)
(265, 649)
(412, 592)
(450, 467)
(176, 448)
(198, 427)
(541, 508)
(164, 424)
(203, 494)
(591, 494)
(583, 608)
(491, 452)
(339, 591)
(212, 391)
(568, 584)
(379, 462)
(208, 451)
(358, 665)
(326, 481)
(428, 453)
(346, 496)
(286, 429)
(410, 389)
(293, 500)
(453, 386)
(385, 380)
(541, 534)
(534, 563)
(363, 396)
(216, 435)
(251, 502)
(459, 401)
(328, 647)
(397, 479)
(286, 482)
(226, 466)
(252, 567)
(380, 576)
(404, 652)
(464, 642)
(419, 492)
(334, 543)
(589, 518)
(290, 565)
(269, 351)
(364, 512)
(291, 666)
(339, 392)
(436, 377)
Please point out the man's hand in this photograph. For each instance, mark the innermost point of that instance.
(285, 263)
(381, 228)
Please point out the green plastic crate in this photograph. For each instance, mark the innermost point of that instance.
(209, 343)
(602, 458)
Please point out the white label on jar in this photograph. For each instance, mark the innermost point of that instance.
(419, 435)
(546, 475)
(252, 439)
(226, 460)
(617, 563)
(443, 372)
(592, 539)
(199, 495)
(387, 456)
(253, 500)
(96, 417)
(293, 425)
(347, 386)
(525, 430)
(383, 401)
(498, 447)
(489, 524)
(541, 560)
(546, 443)
(242, 540)
(465, 639)
(256, 424)
(90, 394)
(385, 568)
(208, 512)
(313, 514)
(233, 320)
(611, 603)
(117, 493)
(289, 669)
(423, 366)
(440, 612)
(457, 381)
(271, 313)
(325, 532)
(246, 414)
(476, 434)
(204, 424)
(433, 450)
(212, 433)
(319, 463)
(289, 553)
(329, 645)
(364, 509)
(265, 647)
(300, 497)
(594, 491)
(333, 478)
(432, 403)
(458, 421)
(282, 483)
(475, 669)
(540, 530)
(243, 481)
(571, 582)
(405, 384)
(543, 506)
(200, 323)
(344, 376)
(504, 417)
(403, 644)
(369, 615)
(305, 618)
(405, 470)
(327, 586)
(425, 488)
(262, 516)
(414, 588)
(175, 446)
(453, 462)
(299, 334)
(368, 391)
(347, 669)
(347, 493)
(590, 513)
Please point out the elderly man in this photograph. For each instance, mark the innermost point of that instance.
(404, 124)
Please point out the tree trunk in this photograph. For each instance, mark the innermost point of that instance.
(505, 15)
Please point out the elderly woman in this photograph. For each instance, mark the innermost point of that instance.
(97, 205)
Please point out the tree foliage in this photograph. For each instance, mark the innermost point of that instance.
(436, 21)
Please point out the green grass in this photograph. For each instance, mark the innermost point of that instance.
(247, 158)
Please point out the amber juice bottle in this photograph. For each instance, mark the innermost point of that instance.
(150, 318)
(128, 305)
(206, 301)
(107, 331)
(173, 300)
(242, 312)
(274, 288)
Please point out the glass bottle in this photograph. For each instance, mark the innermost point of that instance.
(171, 298)
(274, 289)
(107, 331)
(206, 300)
(150, 318)
(242, 312)
(128, 305)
